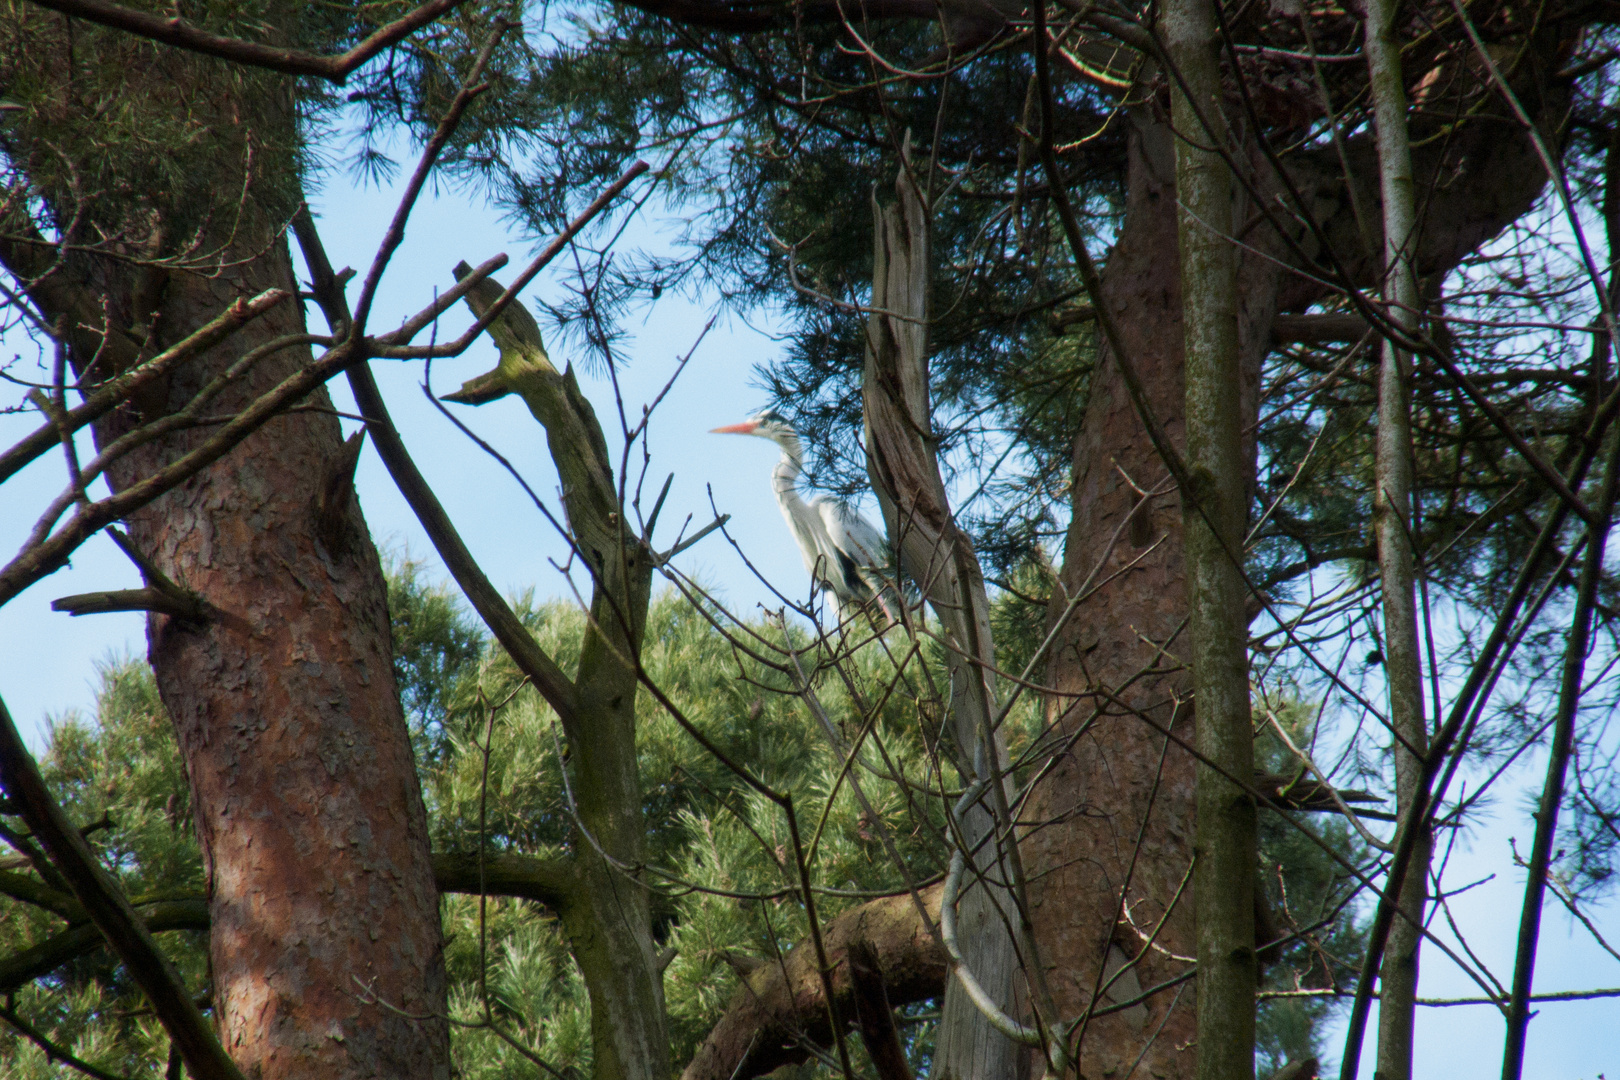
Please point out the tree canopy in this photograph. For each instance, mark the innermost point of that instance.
(1236, 384)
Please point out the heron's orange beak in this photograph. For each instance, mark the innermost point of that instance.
(747, 427)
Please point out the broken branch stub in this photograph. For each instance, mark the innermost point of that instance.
(572, 432)
(610, 929)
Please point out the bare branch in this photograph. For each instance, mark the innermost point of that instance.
(182, 35)
(111, 394)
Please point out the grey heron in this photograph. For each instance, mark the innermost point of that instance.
(843, 553)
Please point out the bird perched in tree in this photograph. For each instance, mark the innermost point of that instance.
(843, 553)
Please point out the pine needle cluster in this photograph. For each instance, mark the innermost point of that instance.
(494, 764)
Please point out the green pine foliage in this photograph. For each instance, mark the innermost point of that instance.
(721, 858)
(1309, 892)
(118, 775)
(493, 761)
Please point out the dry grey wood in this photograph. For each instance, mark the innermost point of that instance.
(935, 554)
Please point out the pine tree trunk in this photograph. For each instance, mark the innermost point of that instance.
(1119, 805)
(1107, 663)
(304, 791)
(326, 949)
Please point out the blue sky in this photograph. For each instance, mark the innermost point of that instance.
(48, 660)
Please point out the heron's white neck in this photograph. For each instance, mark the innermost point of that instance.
(785, 477)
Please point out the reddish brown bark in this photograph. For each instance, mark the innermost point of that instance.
(322, 901)
(1119, 662)
(306, 800)
(1129, 641)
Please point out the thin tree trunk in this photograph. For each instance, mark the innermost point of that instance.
(1214, 531)
(1552, 790)
(1518, 1018)
(609, 917)
(1393, 525)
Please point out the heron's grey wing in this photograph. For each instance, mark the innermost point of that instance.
(810, 535)
(865, 552)
(852, 534)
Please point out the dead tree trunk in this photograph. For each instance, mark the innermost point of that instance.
(933, 552)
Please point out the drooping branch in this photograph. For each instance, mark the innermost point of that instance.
(781, 1006)
(38, 961)
(551, 882)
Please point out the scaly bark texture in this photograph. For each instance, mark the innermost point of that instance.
(304, 788)
(1118, 806)
(306, 799)
(326, 944)
(1125, 649)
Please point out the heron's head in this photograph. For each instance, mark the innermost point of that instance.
(769, 424)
